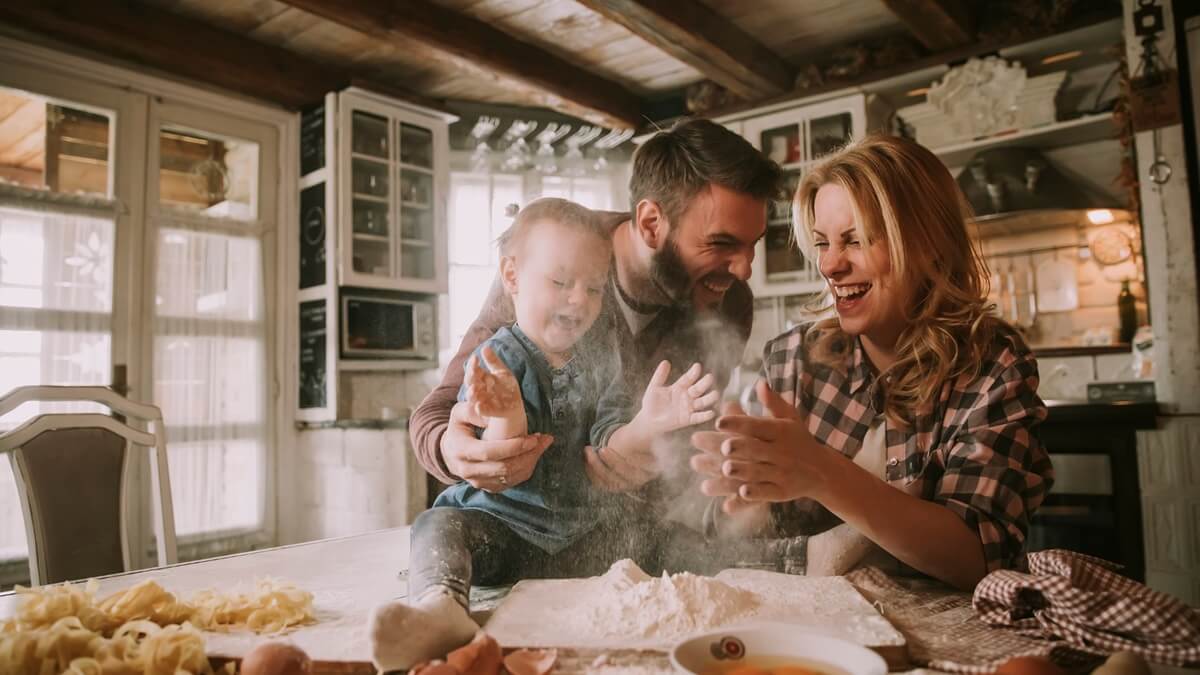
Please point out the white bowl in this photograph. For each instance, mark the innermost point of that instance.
(773, 645)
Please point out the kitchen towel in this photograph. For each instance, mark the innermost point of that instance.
(1081, 600)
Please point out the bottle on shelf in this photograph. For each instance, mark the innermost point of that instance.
(1126, 313)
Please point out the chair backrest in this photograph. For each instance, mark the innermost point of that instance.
(73, 477)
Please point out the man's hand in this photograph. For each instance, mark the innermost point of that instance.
(616, 471)
(687, 402)
(493, 466)
(491, 392)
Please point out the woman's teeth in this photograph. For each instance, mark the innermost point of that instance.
(851, 291)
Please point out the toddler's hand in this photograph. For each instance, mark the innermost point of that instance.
(686, 402)
(491, 391)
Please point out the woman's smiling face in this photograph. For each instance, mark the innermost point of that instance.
(868, 300)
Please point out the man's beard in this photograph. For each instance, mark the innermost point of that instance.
(668, 274)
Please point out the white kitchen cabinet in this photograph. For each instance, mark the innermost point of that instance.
(796, 137)
(392, 186)
(373, 193)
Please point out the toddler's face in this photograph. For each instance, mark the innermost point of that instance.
(556, 281)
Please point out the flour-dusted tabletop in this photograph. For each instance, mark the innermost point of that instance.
(350, 575)
(347, 577)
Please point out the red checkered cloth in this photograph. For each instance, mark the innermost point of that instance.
(1080, 599)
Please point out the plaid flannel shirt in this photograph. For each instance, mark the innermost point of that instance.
(977, 452)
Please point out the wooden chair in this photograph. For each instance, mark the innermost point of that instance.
(73, 478)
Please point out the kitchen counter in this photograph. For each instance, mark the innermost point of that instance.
(1127, 415)
(395, 423)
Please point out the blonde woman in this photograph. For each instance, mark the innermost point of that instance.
(911, 416)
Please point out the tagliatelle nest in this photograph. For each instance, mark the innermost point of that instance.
(143, 630)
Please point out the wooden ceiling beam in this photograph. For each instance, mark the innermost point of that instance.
(477, 44)
(938, 24)
(178, 45)
(703, 39)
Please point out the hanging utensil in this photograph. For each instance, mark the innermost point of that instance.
(1058, 290)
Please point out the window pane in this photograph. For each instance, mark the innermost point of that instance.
(469, 287)
(506, 199)
(216, 484)
(205, 174)
(592, 193)
(470, 241)
(46, 145)
(210, 376)
(55, 261)
(208, 275)
(554, 186)
(209, 381)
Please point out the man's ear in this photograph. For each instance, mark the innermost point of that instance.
(508, 274)
(650, 223)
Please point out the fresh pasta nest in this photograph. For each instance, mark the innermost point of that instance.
(143, 630)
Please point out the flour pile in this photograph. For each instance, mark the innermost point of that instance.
(628, 602)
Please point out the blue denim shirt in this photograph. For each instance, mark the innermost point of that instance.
(557, 505)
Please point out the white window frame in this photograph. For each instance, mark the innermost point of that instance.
(40, 68)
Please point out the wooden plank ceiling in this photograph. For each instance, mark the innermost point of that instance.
(606, 61)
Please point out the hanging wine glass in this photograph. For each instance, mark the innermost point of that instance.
(573, 161)
(611, 140)
(546, 160)
(518, 156)
(481, 157)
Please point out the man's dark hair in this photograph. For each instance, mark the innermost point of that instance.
(674, 165)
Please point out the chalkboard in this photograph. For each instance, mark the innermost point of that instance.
(313, 330)
(312, 236)
(312, 140)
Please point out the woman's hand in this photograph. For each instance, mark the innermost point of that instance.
(746, 518)
(764, 459)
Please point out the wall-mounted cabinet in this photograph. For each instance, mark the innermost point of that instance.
(392, 190)
(373, 189)
(796, 138)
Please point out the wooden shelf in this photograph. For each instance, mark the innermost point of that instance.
(415, 167)
(369, 158)
(415, 243)
(370, 198)
(385, 364)
(377, 238)
(1071, 132)
(415, 205)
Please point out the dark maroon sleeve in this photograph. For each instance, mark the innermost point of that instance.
(428, 422)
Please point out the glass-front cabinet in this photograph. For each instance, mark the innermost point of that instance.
(796, 138)
(392, 195)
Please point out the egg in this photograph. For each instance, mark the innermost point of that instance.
(276, 658)
(1123, 663)
(1029, 665)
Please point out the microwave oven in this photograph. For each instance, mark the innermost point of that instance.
(376, 326)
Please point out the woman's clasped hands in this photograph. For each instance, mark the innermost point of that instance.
(754, 460)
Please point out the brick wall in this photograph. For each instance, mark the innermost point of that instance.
(350, 481)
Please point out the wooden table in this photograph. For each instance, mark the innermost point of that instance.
(348, 576)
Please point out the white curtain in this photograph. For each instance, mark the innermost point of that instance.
(210, 374)
(56, 298)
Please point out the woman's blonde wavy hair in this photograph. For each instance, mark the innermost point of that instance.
(902, 195)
